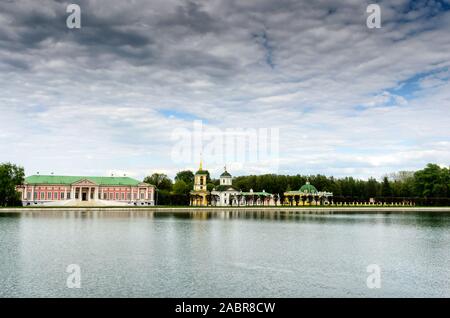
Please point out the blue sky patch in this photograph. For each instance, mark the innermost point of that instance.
(170, 113)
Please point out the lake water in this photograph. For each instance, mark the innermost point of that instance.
(224, 254)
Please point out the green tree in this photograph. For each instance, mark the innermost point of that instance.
(386, 190)
(433, 181)
(186, 175)
(181, 188)
(160, 180)
(210, 186)
(10, 177)
(371, 188)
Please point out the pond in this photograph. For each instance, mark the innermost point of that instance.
(224, 254)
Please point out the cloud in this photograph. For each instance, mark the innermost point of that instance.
(107, 97)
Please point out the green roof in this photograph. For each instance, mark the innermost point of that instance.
(108, 181)
(225, 174)
(203, 172)
(308, 188)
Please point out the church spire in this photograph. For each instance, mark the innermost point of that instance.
(201, 163)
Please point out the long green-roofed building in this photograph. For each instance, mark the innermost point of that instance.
(56, 190)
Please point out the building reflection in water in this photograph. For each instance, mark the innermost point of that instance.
(430, 219)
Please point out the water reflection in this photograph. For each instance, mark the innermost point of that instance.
(435, 219)
(244, 253)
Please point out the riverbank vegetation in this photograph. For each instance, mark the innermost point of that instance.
(426, 187)
(10, 176)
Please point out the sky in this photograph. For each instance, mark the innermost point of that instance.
(153, 86)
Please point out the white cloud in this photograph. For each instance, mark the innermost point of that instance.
(90, 101)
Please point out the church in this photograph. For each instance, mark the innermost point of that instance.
(225, 194)
(200, 195)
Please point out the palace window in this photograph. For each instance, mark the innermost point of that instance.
(123, 196)
(55, 196)
(42, 195)
(49, 195)
(62, 196)
(68, 195)
(28, 195)
(128, 196)
(117, 196)
(142, 195)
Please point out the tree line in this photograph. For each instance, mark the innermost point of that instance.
(429, 186)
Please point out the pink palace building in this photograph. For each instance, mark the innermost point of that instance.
(73, 190)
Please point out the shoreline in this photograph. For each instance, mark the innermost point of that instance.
(306, 210)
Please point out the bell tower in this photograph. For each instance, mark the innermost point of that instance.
(200, 193)
(200, 178)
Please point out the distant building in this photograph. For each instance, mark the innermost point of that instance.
(225, 194)
(307, 195)
(259, 198)
(199, 196)
(75, 190)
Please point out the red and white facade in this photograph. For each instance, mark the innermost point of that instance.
(87, 192)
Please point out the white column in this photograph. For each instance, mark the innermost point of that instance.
(32, 193)
(79, 193)
(146, 193)
(89, 194)
(65, 193)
